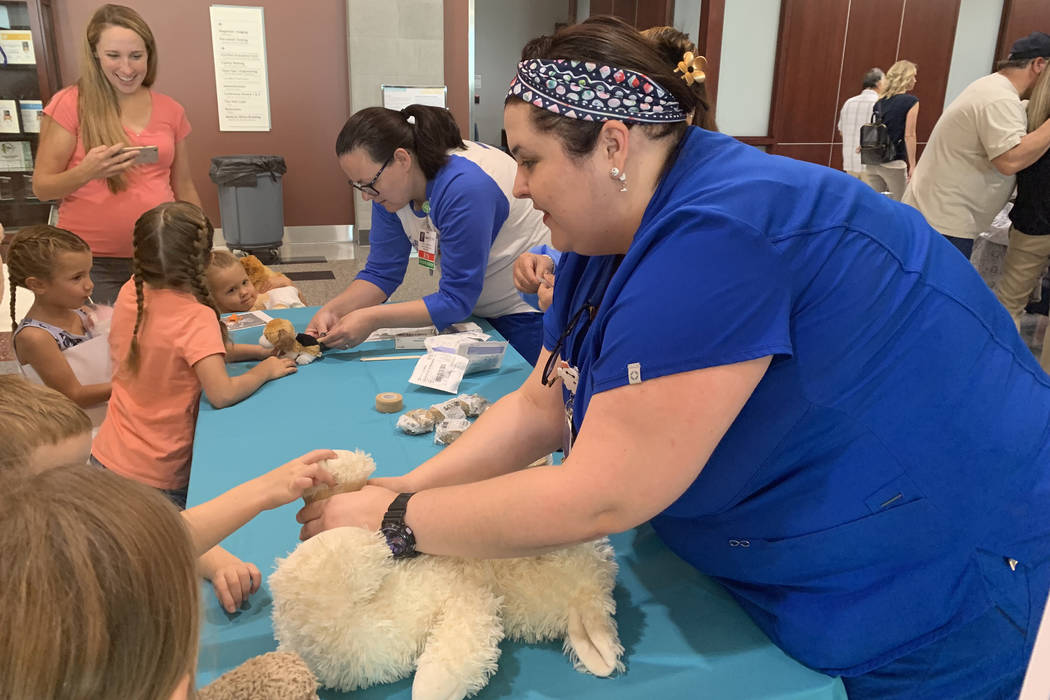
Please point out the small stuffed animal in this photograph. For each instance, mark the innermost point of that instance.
(358, 617)
(280, 334)
(275, 290)
(273, 676)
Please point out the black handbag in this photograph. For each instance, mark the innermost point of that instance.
(876, 146)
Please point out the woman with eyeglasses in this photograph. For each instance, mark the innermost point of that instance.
(807, 391)
(450, 200)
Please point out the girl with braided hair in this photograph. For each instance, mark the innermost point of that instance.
(54, 264)
(168, 345)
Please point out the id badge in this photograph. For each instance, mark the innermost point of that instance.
(568, 435)
(427, 246)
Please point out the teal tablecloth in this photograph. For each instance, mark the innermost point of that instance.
(684, 637)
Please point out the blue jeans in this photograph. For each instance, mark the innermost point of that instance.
(523, 331)
(109, 275)
(176, 496)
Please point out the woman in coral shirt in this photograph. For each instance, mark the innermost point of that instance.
(84, 135)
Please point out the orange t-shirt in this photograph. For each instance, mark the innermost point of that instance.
(104, 219)
(148, 431)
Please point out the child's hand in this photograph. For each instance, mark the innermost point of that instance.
(233, 584)
(233, 580)
(288, 481)
(261, 353)
(276, 367)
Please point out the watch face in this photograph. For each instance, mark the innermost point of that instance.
(399, 541)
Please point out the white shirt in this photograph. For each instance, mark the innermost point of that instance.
(523, 229)
(855, 113)
(955, 185)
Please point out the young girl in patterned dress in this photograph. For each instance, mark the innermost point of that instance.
(54, 264)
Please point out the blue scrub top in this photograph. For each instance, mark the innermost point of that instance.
(469, 209)
(896, 450)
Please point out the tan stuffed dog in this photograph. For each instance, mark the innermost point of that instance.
(280, 335)
(358, 617)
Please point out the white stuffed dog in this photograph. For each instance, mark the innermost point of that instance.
(358, 617)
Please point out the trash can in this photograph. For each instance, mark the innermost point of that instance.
(251, 202)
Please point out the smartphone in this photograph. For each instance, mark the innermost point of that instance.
(145, 154)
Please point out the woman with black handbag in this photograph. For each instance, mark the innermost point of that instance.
(899, 111)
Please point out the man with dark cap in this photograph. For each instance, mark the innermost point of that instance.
(855, 113)
(966, 173)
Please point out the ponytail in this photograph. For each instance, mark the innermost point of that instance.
(429, 133)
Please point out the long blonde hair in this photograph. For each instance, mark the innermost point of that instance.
(172, 250)
(898, 79)
(97, 103)
(1039, 102)
(99, 596)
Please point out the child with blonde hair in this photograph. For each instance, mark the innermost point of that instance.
(98, 597)
(40, 425)
(43, 429)
(55, 265)
(245, 284)
(168, 345)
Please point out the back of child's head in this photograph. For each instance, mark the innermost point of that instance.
(33, 253)
(172, 244)
(32, 416)
(98, 590)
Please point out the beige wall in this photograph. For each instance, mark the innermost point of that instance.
(392, 42)
(309, 93)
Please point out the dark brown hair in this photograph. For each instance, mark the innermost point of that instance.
(172, 250)
(610, 41)
(672, 45)
(382, 131)
(33, 252)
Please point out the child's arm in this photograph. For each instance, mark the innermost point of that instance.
(233, 580)
(241, 353)
(212, 521)
(39, 348)
(222, 390)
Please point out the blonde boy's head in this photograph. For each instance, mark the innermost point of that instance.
(40, 426)
(229, 284)
(99, 596)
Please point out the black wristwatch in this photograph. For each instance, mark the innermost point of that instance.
(399, 536)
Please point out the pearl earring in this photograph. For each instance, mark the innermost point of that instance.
(615, 174)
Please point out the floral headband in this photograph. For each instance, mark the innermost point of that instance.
(592, 92)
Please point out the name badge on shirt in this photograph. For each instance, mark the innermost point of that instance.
(427, 245)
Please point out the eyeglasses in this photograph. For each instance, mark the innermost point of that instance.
(552, 361)
(369, 187)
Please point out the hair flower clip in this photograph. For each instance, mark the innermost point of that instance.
(692, 68)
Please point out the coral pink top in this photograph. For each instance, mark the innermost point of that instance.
(148, 431)
(104, 219)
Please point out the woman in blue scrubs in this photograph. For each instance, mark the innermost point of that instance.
(451, 201)
(808, 392)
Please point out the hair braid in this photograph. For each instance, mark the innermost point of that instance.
(199, 281)
(14, 290)
(132, 359)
